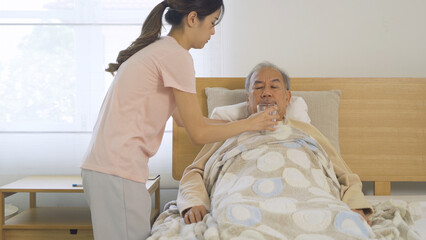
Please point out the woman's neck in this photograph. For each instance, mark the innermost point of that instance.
(180, 37)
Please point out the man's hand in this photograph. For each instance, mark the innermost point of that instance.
(195, 214)
(361, 212)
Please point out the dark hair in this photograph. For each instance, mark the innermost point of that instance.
(151, 29)
(266, 64)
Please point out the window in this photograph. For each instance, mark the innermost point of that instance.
(53, 58)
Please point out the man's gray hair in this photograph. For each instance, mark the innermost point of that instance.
(267, 65)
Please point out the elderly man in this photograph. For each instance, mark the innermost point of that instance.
(268, 84)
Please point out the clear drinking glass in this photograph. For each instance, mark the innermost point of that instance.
(262, 107)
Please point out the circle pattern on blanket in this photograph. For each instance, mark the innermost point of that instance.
(254, 153)
(279, 205)
(320, 179)
(268, 231)
(226, 201)
(228, 180)
(295, 178)
(241, 184)
(340, 207)
(244, 214)
(249, 235)
(282, 132)
(313, 237)
(268, 187)
(271, 161)
(351, 223)
(299, 157)
(312, 220)
(319, 192)
(321, 200)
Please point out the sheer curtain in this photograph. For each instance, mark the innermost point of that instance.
(53, 56)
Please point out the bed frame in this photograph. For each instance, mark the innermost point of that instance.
(382, 126)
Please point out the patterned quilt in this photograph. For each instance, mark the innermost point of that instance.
(278, 185)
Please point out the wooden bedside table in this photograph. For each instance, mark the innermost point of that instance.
(40, 223)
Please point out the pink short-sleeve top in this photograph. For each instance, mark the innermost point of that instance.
(133, 116)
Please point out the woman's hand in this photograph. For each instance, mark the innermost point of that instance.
(264, 120)
(195, 214)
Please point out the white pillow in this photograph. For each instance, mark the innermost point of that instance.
(297, 109)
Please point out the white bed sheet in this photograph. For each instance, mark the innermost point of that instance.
(420, 224)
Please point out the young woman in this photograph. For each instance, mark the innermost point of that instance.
(155, 79)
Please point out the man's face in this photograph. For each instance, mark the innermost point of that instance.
(267, 86)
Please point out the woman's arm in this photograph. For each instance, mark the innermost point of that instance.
(214, 121)
(203, 131)
(178, 119)
(179, 122)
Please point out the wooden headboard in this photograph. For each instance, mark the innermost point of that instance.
(382, 126)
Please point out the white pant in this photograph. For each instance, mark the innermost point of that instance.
(120, 208)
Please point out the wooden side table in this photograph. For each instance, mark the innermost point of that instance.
(40, 223)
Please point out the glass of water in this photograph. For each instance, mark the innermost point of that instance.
(263, 106)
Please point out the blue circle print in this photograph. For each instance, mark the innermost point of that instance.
(358, 227)
(268, 187)
(244, 214)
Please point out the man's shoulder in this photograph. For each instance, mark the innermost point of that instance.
(301, 125)
(306, 127)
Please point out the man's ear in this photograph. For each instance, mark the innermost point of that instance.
(248, 103)
(192, 19)
(288, 96)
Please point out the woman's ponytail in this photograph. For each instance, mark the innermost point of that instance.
(151, 31)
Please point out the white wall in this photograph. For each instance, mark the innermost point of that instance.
(327, 38)
(308, 38)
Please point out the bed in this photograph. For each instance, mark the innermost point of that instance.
(377, 124)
